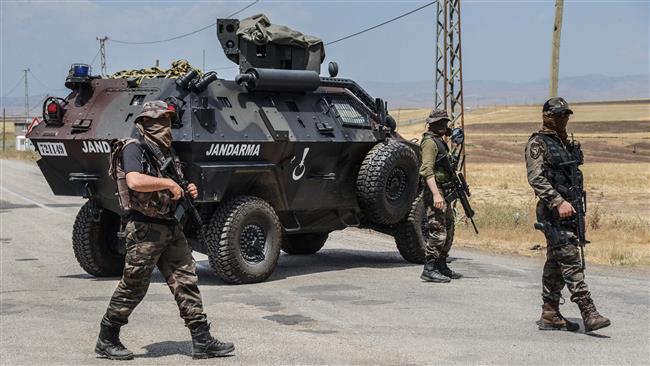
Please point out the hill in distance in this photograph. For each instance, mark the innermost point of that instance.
(419, 94)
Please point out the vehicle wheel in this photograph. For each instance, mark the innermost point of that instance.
(95, 242)
(387, 182)
(243, 239)
(410, 236)
(303, 243)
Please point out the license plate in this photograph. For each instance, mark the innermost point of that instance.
(51, 149)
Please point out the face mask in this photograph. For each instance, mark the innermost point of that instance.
(556, 123)
(157, 130)
(440, 128)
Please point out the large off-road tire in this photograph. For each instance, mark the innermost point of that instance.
(95, 242)
(387, 182)
(303, 243)
(410, 235)
(243, 239)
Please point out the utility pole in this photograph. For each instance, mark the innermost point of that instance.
(4, 129)
(555, 51)
(204, 60)
(26, 97)
(448, 94)
(102, 52)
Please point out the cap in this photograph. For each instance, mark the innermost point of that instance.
(437, 115)
(154, 109)
(557, 106)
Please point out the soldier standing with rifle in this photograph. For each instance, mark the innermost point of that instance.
(154, 237)
(552, 162)
(440, 214)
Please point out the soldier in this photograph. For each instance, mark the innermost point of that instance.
(154, 238)
(440, 214)
(548, 153)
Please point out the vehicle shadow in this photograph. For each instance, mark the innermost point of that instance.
(326, 260)
(86, 276)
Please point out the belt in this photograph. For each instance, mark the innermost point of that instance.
(140, 217)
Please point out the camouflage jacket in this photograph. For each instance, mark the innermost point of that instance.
(544, 153)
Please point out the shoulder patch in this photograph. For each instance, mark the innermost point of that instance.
(536, 148)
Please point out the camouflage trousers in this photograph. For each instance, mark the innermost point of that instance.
(149, 245)
(563, 266)
(440, 230)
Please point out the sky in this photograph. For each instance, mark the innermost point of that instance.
(502, 40)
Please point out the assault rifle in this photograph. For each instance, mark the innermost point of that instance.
(456, 188)
(575, 194)
(169, 170)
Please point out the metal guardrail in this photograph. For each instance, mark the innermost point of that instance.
(412, 121)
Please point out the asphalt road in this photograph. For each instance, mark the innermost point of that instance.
(355, 302)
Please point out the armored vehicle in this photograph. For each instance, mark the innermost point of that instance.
(281, 155)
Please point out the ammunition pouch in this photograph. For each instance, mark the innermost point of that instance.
(153, 204)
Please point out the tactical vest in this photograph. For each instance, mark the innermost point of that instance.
(153, 204)
(557, 157)
(440, 175)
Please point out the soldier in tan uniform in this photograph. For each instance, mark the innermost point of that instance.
(440, 214)
(549, 154)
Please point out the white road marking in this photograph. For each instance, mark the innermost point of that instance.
(34, 202)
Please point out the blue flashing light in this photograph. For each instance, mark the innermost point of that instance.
(80, 70)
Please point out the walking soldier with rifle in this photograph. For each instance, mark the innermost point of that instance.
(148, 175)
(443, 187)
(553, 161)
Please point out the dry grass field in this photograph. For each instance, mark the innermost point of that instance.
(616, 141)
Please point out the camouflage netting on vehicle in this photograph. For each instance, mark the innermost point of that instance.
(259, 30)
(178, 69)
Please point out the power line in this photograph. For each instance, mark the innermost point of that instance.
(42, 83)
(39, 104)
(95, 58)
(185, 34)
(381, 24)
(15, 86)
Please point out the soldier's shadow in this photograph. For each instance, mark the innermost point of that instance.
(582, 329)
(167, 348)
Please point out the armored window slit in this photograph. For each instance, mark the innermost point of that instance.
(138, 99)
(225, 102)
(348, 114)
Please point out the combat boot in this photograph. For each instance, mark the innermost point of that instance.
(204, 345)
(109, 345)
(551, 318)
(432, 274)
(443, 268)
(592, 319)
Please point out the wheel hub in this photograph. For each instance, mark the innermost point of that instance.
(253, 243)
(396, 184)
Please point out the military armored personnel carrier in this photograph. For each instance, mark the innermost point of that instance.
(281, 155)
